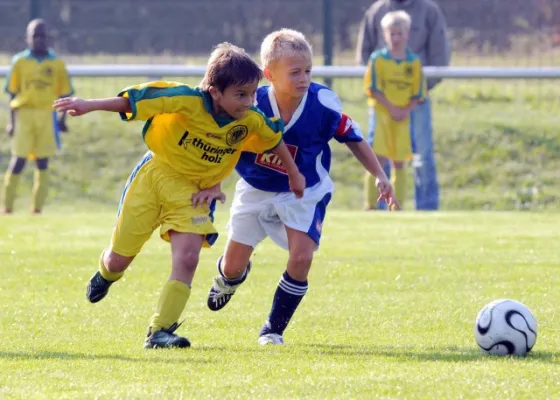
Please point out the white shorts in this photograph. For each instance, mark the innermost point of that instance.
(256, 214)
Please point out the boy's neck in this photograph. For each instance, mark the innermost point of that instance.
(287, 105)
(39, 54)
(398, 54)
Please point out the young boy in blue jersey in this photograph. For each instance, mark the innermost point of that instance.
(263, 205)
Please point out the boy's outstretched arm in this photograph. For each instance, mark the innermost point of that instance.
(76, 106)
(297, 180)
(362, 151)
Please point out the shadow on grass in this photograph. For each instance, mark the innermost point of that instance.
(61, 355)
(409, 353)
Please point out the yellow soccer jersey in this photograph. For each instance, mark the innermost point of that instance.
(37, 83)
(182, 131)
(399, 80)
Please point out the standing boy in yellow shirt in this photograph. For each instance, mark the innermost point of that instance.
(37, 78)
(394, 84)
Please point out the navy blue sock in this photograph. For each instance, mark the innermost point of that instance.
(286, 300)
(234, 281)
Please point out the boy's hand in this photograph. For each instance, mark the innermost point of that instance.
(399, 113)
(206, 196)
(10, 130)
(74, 105)
(387, 194)
(297, 184)
(62, 127)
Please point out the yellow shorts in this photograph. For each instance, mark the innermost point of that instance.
(392, 138)
(156, 196)
(34, 133)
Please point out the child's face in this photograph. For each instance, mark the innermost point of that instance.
(37, 38)
(396, 37)
(235, 100)
(290, 75)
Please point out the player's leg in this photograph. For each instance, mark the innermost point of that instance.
(399, 181)
(291, 288)
(45, 148)
(11, 181)
(185, 251)
(188, 229)
(402, 152)
(137, 217)
(233, 267)
(426, 183)
(382, 147)
(22, 146)
(245, 232)
(303, 220)
(40, 185)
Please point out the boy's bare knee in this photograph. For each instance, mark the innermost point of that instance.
(301, 259)
(187, 260)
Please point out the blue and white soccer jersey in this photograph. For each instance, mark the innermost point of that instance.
(263, 204)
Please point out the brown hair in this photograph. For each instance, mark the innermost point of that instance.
(229, 65)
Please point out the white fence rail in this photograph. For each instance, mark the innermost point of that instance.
(159, 70)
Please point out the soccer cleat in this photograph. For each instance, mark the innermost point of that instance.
(221, 291)
(166, 339)
(270, 338)
(97, 288)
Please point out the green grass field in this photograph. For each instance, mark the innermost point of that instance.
(389, 313)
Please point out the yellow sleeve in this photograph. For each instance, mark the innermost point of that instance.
(373, 76)
(64, 86)
(152, 98)
(418, 81)
(13, 81)
(264, 134)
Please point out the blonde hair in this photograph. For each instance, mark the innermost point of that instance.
(396, 18)
(284, 43)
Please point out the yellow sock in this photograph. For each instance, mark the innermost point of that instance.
(10, 188)
(399, 176)
(171, 304)
(105, 273)
(370, 192)
(40, 188)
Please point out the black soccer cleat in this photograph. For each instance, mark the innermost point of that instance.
(166, 339)
(97, 288)
(221, 291)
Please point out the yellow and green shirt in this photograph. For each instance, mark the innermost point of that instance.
(183, 132)
(37, 83)
(400, 81)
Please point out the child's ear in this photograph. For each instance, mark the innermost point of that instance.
(267, 74)
(215, 93)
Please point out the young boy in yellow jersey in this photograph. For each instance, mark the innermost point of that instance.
(37, 77)
(195, 137)
(394, 84)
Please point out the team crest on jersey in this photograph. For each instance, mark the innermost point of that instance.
(47, 71)
(236, 134)
(272, 161)
(408, 71)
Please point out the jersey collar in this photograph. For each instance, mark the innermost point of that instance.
(209, 105)
(276, 110)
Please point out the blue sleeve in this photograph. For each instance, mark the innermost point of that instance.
(346, 130)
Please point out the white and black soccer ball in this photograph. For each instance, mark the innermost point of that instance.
(505, 327)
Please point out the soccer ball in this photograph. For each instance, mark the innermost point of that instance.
(505, 327)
